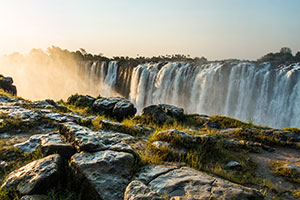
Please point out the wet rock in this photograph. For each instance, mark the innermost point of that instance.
(36, 176)
(104, 174)
(137, 190)
(36, 197)
(6, 83)
(116, 107)
(233, 165)
(50, 143)
(90, 141)
(187, 183)
(163, 112)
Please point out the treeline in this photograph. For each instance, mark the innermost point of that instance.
(285, 55)
(83, 55)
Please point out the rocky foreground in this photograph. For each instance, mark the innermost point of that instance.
(96, 148)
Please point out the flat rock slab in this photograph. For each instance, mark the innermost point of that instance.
(137, 190)
(50, 143)
(36, 176)
(90, 141)
(19, 112)
(187, 183)
(104, 174)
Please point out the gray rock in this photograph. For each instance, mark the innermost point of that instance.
(123, 109)
(150, 172)
(18, 112)
(233, 165)
(137, 190)
(50, 143)
(90, 141)
(187, 183)
(163, 112)
(36, 176)
(6, 83)
(117, 107)
(172, 111)
(105, 174)
(35, 197)
(31, 144)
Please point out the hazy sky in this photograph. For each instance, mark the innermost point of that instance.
(216, 29)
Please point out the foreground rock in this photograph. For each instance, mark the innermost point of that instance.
(6, 83)
(137, 190)
(104, 174)
(35, 177)
(187, 183)
(116, 107)
(163, 112)
(50, 143)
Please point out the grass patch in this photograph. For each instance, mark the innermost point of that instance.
(283, 169)
(227, 122)
(206, 156)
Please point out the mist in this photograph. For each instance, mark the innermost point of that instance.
(54, 74)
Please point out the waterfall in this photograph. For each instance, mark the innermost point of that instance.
(261, 93)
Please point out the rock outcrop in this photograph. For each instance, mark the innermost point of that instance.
(35, 177)
(6, 83)
(116, 107)
(163, 112)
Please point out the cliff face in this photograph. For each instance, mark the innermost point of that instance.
(95, 148)
(262, 93)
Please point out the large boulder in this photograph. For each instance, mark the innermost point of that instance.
(6, 83)
(163, 112)
(35, 177)
(116, 107)
(187, 183)
(81, 100)
(103, 174)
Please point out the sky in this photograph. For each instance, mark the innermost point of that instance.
(216, 29)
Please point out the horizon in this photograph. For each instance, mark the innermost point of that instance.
(216, 30)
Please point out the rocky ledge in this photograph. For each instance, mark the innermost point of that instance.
(96, 149)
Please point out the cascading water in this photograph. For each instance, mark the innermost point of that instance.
(244, 90)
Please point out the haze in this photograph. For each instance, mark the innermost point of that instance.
(216, 29)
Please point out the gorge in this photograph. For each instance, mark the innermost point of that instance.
(256, 92)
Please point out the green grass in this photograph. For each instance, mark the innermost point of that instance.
(290, 175)
(227, 122)
(207, 157)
